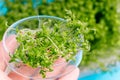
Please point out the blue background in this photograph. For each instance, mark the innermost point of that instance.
(113, 74)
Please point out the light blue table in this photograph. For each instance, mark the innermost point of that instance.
(113, 74)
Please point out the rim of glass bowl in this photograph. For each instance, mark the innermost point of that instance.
(79, 57)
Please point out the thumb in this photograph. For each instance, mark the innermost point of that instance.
(72, 75)
(11, 44)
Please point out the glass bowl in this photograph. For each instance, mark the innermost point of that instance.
(32, 73)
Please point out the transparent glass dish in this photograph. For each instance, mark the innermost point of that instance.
(26, 71)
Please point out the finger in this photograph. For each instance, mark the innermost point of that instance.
(11, 44)
(3, 76)
(15, 76)
(58, 67)
(23, 70)
(2, 63)
(31, 72)
(72, 75)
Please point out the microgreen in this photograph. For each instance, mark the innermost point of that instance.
(43, 46)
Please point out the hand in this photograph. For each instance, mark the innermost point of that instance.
(11, 43)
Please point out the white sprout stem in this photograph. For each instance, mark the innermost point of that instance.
(54, 43)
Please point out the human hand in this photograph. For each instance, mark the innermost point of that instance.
(12, 43)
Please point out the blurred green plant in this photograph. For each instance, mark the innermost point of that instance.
(99, 14)
(16, 11)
